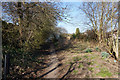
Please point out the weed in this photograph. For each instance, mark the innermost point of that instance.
(76, 58)
(105, 54)
(88, 50)
(97, 66)
(67, 62)
(85, 56)
(93, 57)
(117, 73)
(104, 73)
(90, 63)
(91, 53)
(97, 49)
(75, 71)
(80, 65)
(70, 63)
(91, 69)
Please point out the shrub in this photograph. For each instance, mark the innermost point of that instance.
(88, 50)
(91, 35)
(73, 36)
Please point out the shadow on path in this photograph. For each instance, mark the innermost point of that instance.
(71, 68)
(49, 71)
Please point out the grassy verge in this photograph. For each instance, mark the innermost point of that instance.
(104, 72)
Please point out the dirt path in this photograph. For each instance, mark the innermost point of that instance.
(78, 64)
(74, 62)
(52, 69)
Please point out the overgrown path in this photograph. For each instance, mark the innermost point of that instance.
(74, 62)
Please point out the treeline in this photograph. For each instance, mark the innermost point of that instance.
(88, 35)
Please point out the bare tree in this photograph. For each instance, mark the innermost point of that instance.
(103, 16)
(99, 15)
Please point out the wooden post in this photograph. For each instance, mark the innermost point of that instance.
(5, 75)
(6, 65)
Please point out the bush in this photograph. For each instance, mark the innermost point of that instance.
(90, 36)
(73, 36)
(88, 50)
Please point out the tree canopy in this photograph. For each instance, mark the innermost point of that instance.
(32, 23)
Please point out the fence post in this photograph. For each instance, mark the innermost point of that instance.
(5, 75)
(6, 65)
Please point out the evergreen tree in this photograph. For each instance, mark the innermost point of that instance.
(77, 33)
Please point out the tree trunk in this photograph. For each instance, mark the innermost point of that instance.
(19, 22)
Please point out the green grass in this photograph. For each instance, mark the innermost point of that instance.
(97, 66)
(104, 72)
(90, 63)
(91, 53)
(77, 58)
(85, 56)
(91, 69)
(80, 65)
(75, 71)
(93, 57)
(117, 73)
